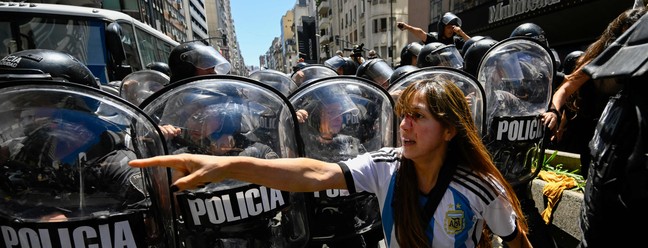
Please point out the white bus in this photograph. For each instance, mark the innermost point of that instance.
(112, 44)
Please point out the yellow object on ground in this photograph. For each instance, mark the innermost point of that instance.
(553, 190)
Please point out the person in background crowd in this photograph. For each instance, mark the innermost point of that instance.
(356, 55)
(449, 31)
(440, 189)
(372, 54)
(592, 96)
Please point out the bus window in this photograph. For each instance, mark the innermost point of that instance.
(130, 46)
(147, 45)
(164, 49)
(59, 34)
(81, 32)
(82, 39)
(5, 39)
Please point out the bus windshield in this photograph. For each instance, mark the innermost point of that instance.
(83, 39)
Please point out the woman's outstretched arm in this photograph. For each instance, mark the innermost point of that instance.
(288, 174)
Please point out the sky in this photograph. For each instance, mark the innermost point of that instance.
(257, 23)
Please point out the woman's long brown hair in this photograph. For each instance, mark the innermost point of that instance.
(614, 29)
(447, 104)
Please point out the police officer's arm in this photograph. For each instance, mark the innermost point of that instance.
(288, 174)
(416, 31)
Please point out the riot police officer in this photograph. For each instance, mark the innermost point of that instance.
(438, 54)
(409, 53)
(64, 162)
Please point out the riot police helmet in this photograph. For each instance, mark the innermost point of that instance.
(195, 58)
(439, 54)
(342, 65)
(474, 54)
(46, 64)
(299, 66)
(531, 30)
(569, 63)
(410, 52)
(159, 66)
(376, 70)
(275, 79)
(469, 42)
(400, 71)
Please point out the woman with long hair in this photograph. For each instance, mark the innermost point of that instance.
(439, 189)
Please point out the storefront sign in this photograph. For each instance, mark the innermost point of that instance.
(499, 11)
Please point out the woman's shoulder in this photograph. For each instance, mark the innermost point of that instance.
(386, 154)
(481, 186)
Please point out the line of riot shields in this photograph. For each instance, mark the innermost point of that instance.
(65, 150)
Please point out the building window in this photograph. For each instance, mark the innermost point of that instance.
(346, 19)
(355, 36)
(375, 26)
(380, 25)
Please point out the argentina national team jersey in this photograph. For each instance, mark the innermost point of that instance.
(469, 201)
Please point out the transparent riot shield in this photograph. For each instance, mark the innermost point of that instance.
(64, 174)
(516, 75)
(232, 116)
(139, 85)
(275, 79)
(472, 89)
(310, 73)
(347, 116)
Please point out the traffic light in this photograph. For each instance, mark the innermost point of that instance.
(224, 40)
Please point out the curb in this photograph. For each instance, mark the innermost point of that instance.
(565, 217)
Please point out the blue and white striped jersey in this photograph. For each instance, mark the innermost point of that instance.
(469, 201)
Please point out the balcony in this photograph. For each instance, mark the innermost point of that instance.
(323, 22)
(325, 39)
(323, 7)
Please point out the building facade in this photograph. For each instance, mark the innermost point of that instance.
(196, 17)
(345, 23)
(222, 34)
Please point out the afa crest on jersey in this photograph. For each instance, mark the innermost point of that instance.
(454, 221)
